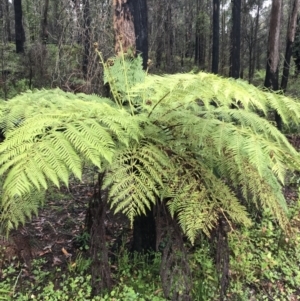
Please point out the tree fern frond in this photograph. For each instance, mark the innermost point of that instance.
(135, 177)
(15, 211)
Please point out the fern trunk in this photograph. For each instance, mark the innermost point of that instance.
(101, 275)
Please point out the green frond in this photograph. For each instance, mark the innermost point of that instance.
(198, 141)
(135, 177)
(15, 211)
(50, 142)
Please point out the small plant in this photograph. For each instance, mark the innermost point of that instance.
(83, 241)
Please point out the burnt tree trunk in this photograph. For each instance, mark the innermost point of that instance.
(235, 40)
(140, 21)
(289, 44)
(131, 34)
(271, 79)
(19, 29)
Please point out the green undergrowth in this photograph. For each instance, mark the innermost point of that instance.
(265, 260)
(263, 265)
(134, 277)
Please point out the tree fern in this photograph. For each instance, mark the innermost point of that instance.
(196, 141)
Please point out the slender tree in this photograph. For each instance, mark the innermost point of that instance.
(7, 20)
(289, 44)
(296, 49)
(87, 38)
(271, 79)
(45, 23)
(19, 29)
(235, 39)
(216, 36)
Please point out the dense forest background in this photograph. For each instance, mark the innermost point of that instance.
(54, 40)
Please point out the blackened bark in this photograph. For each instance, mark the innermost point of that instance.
(272, 69)
(19, 29)
(289, 44)
(144, 232)
(87, 38)
(216, 36)
(131, 32)
(235, 39)
(140, 20)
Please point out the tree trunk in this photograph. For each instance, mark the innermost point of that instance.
(197, 35)
(45, 23)
(7, 20)
(271, 79)
(101, 276)
(124, 27)
(140, 20)
(216, 36)
(224, 41)
(168, 37)
(131, 33)
(296, 48)
(235, 39)
(19, 29)
(289, 44)
(87, 38)
(159, 39)
(255, 42)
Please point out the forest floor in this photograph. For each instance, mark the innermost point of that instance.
(57, 234)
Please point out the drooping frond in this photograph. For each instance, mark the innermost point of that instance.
(212, 91)
(52, 142)
(216, 120)
(197, 197)
(200, 142)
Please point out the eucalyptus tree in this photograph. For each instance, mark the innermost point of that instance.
(272, 69)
